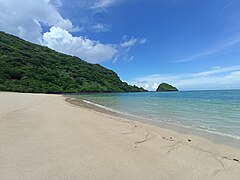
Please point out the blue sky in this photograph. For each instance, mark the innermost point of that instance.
(190, 44)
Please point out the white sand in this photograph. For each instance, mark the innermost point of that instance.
(44, 137)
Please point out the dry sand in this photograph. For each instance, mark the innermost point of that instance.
(45, 137)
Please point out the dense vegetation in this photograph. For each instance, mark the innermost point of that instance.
(166, 87)
(27, 67)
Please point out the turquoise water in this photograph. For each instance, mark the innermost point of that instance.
(212, 111)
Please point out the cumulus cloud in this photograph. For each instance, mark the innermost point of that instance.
(89, 50)
(146, 86)
(56, 3)
(155, 86)
(24, 17)
(220, 78)
(128, 43)
(125, 47)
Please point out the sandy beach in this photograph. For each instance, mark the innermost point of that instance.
(45, 137)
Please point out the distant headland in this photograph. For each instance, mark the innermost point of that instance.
(164, 87)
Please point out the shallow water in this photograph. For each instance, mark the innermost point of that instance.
(215, 112)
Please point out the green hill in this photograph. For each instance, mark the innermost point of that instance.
(166, 87)
(27, 67)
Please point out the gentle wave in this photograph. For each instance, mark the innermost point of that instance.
(165, 120)
(110, 109)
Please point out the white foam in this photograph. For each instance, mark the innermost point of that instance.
(110, 109)
(179, 124)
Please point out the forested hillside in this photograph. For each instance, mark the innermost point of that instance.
(27, 67)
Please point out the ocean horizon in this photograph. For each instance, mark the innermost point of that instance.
(212, 111)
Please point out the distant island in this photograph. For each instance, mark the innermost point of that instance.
(27, 67)
(164, 87)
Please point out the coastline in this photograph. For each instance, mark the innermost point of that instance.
(45, 137)
(213, 137)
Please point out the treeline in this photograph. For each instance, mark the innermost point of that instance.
(27, 67)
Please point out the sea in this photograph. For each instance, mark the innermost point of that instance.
(215, 112)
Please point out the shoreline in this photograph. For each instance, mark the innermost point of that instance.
(46, 137)
(211, 136)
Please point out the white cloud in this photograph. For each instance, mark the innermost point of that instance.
(23, 18)
(89, 50)
(101, 4)
(131, 42)
(212, 50)
(56, 3)
(142, 41)
(101, 28)
(217, 70)
(228, 5)
(216, 67)
(146, 86)
(131, 58)
(128, 43)
(125, 47)
(221, 78)
(155, 86)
